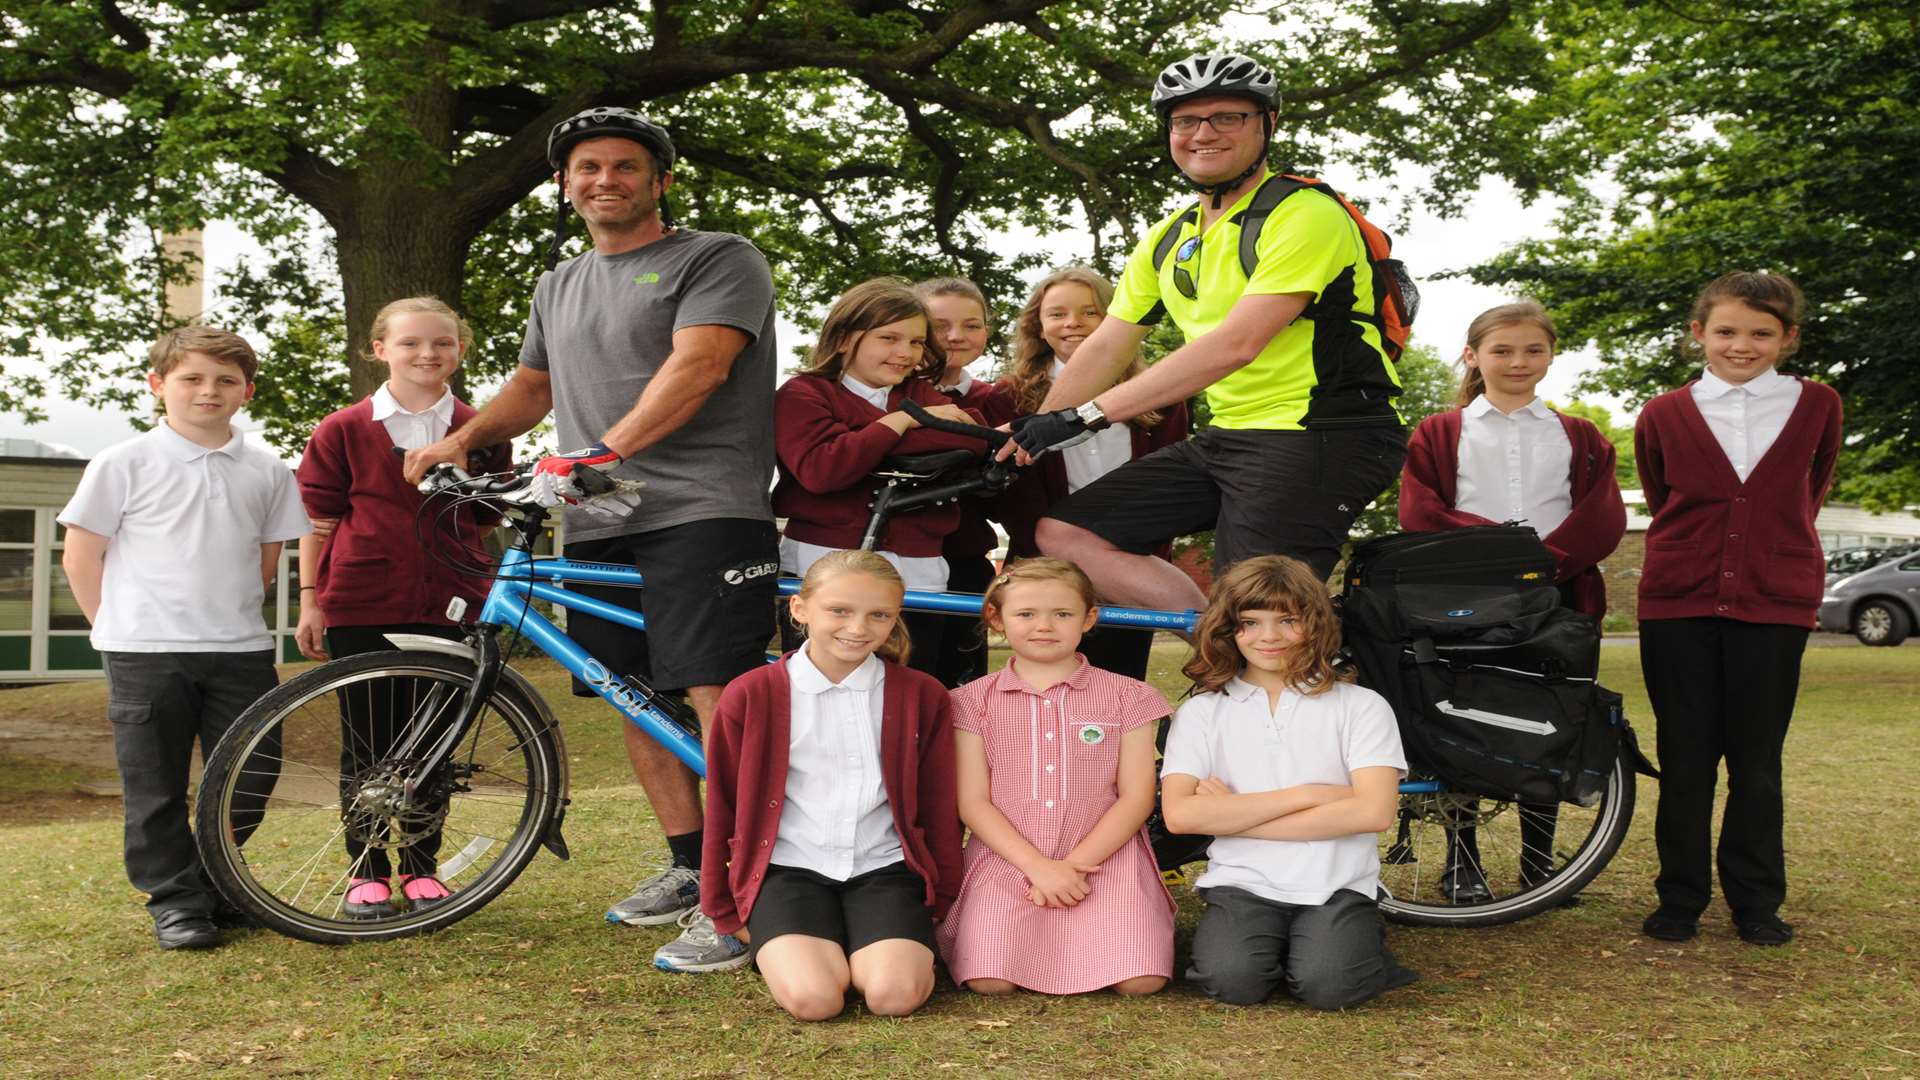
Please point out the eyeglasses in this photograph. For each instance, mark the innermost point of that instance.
(1182, 277)
(1223, 122)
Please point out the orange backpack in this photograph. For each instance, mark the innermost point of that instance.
(1396, 299)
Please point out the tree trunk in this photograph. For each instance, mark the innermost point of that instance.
(399, 242)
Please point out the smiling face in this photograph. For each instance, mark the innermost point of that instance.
(1266, 638)
(200, 396)
(1209, 156)
(1513, 359)
(961, 328)
(846, 617)
(613, 184)
(1043, 620)
(886, 355)
(1068, 313)
(1741, 342)
(421, 349)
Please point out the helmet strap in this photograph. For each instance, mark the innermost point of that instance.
(559, 229)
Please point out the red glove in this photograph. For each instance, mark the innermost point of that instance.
(561, 465)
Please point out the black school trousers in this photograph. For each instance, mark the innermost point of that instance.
(1721, 688)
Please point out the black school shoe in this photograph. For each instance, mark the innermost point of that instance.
(1763, 930)
(228, 917)
(1664, 925)
(176, 929)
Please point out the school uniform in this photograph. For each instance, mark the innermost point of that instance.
(1734, 475)
(378, 573)
(1056, 475)
(180, 629)
(792, 767)
(1298, 914)
(828, 443)
(1479, 466)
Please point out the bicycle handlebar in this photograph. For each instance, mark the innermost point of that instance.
(993, 437)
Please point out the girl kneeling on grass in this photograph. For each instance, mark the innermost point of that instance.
(1735, 466)
(1293, 770)
(1061, 894)
(832, 839)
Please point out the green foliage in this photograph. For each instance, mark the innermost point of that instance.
(1746, 134)
(1624, 470)
(377, 148)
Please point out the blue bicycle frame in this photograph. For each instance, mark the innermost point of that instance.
(522, 579)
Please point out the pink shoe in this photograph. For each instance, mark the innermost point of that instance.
(423, 890)
(368, 898)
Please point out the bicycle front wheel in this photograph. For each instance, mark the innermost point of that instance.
(1457, 859)
(317, 785)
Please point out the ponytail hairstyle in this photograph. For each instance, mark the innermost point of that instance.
(866, 306)
(1267, 583)
(1472, 383)
(1044, 568)
(1029, 373)
(1774, 294)
(899, 645)
(431, 305)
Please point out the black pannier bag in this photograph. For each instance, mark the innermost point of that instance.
(1492, 680)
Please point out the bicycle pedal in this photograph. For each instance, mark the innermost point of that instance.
(1399, 855)
(1174, 878)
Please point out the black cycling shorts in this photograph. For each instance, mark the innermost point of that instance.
(708, 600)
(1261, 492)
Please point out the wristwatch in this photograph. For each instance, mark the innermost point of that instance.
(1091, 416)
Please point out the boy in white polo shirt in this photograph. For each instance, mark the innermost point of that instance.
(1294, 772)
(172, 538)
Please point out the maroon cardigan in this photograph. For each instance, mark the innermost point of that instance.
(1726, 549)
(828, 445)
(1429, 487)
(975, 537)
(373, 571)
(1020, 508)
(747, 783)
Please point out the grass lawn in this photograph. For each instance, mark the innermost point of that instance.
(538, 985)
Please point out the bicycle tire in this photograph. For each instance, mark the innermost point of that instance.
(280, 855)
(1413, 898)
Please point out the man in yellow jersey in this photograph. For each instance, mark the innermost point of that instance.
(1304, 431)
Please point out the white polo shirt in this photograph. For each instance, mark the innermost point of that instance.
(836, 820)
(1746, 418)
(1306, 740)
(185, 523)
(412, 430)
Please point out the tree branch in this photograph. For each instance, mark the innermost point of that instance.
(1495, 17)
(124, 28)
(502, 14)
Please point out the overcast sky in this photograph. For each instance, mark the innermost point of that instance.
(1492, 221)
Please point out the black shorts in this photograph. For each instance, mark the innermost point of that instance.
(708, 601)
(1261, 492)
(890, 902)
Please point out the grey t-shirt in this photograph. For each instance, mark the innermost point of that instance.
(603, 325)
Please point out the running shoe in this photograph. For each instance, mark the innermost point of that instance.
(659, 899)
(700, 948)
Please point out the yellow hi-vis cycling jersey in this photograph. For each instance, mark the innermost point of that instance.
(1326, 368)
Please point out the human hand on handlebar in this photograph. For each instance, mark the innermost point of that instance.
(952, 413)
(417, 462)
(1056, 430)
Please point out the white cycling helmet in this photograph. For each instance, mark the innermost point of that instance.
(1214, 74)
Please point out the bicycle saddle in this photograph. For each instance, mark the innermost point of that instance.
(925, 466)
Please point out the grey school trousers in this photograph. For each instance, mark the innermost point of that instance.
(160, 705)
(1328, 956)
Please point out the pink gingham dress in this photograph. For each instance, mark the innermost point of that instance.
(1054, 757)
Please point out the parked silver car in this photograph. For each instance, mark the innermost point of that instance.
(1880, 606)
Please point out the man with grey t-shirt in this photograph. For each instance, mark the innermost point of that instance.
(655, 353)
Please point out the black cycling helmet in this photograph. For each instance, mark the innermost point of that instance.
(605, 121)
(1219, 75)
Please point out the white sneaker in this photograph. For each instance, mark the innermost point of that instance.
(700, 948)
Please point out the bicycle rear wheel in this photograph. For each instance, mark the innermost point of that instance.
(1528, 858)
(304, 794)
